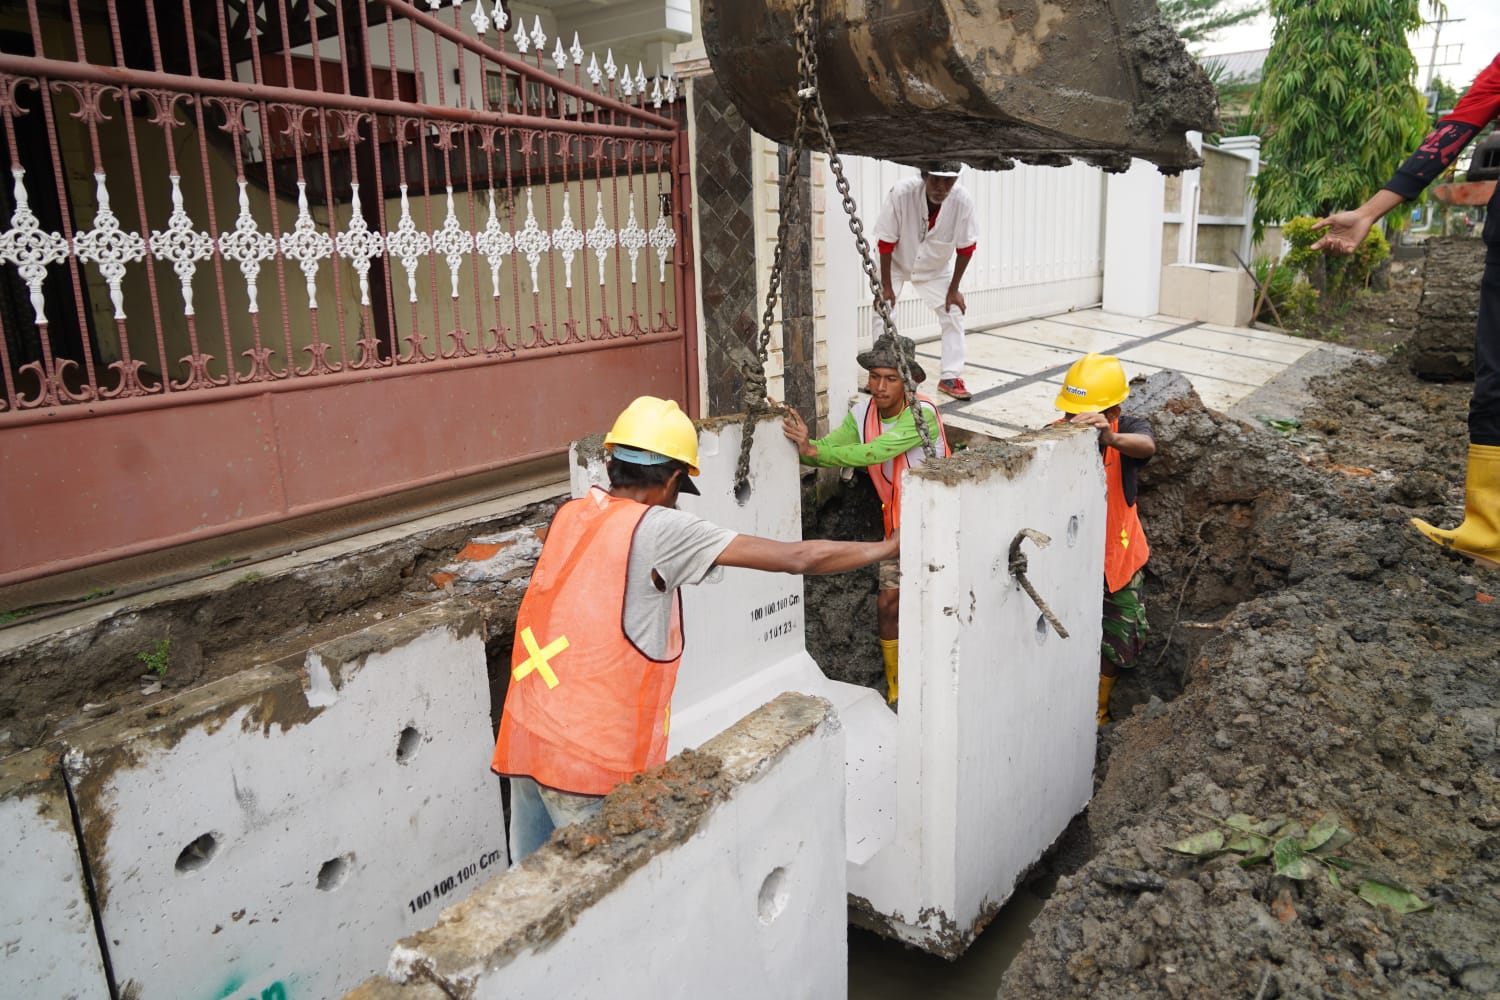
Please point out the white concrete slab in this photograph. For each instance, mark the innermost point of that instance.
(1027, 406)
(1061, 334)
(1097, 319)
(46, 925)
(1241, 346)
(1216, 393)
(271, 834)
(1018, 356)
(1194, 361)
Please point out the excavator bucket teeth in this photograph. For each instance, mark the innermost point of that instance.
(984, 81)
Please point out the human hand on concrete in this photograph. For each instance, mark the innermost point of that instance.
(795, 429)
(1094, 420)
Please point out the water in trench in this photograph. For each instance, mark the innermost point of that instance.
(882, 969)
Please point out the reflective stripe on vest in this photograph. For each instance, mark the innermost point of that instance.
(585, 708)
(887, 475)
(1125, 548)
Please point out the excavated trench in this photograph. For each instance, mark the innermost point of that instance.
(1310, 656)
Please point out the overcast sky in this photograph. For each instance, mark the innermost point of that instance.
(1469, 43)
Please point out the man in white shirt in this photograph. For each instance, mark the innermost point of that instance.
(927, 232)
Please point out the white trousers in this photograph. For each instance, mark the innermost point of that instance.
(934, 293)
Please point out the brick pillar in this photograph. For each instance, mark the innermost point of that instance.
(799, 336)
(726, 253)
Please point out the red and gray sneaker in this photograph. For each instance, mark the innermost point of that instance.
(954, 387)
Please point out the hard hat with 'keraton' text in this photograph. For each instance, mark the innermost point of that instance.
(1094, 384)
(658, 426)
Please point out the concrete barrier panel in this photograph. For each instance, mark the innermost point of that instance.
(47, 933)
(268, 835)
(719, 874)
(997, 710)
(992, 753)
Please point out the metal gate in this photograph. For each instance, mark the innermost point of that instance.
(268, 257)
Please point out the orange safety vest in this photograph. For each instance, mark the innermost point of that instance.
(888, 480)
(1125, 548)
(585, 708)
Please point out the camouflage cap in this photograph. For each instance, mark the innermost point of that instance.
(883, 354)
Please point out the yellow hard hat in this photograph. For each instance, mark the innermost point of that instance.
(1094, 384)
(657, 426)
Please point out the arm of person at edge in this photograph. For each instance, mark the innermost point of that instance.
(1479, 105)
(809, 557)
(842, 448)
(886, 291)
(1141, 446)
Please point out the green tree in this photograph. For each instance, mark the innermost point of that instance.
(1336, 107)
(1198, 20)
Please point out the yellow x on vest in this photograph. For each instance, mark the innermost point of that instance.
(537, 657)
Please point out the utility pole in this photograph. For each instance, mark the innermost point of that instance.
(1432, 63)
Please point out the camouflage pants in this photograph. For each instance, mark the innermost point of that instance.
(1125, 624)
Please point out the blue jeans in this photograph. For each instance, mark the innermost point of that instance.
(535, 811)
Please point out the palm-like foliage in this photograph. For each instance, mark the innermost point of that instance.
(1336, 107)
(1198, 20)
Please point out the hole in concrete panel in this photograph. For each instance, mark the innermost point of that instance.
(1041, 629)
(1072, 530)
(197, 854)
(333, 872)
(773, 895)
(407, 744)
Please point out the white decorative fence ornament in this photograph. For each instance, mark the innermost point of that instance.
(30, 247)
(108, 246)
(182, 245)
(111, 248)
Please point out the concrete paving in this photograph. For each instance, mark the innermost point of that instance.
(1015, 370)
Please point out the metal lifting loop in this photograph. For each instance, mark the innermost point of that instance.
(810, 106)
(1018, 570)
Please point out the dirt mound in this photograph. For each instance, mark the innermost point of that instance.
(1330, 662)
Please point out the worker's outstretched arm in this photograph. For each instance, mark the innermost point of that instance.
(1345, 231)
(812, 556)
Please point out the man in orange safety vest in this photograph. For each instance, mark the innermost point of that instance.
(599, 633)
(1092, 392)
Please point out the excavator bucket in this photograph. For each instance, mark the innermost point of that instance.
(985, 81)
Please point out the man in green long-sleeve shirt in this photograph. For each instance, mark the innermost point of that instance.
(879, 435)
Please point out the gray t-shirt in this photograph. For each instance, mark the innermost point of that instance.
(681, 547)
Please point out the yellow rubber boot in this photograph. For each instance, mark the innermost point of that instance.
(888, 649)
(1106, 685)
(1479, 535)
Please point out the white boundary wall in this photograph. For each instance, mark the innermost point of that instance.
(346, 796)
(993, 751)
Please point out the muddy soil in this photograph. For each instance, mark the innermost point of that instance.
(1311, 656)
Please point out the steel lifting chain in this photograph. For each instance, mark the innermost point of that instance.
(811, 107)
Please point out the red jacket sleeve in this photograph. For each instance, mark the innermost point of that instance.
(1477, 108)
(1481, 103)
